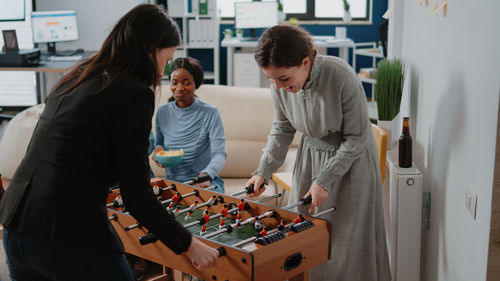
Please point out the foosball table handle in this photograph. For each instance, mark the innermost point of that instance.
(222, 251)
(250, 188)
(199, 179)
(306, 200)
(147, 239)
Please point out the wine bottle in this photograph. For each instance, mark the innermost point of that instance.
(2, 190)
(405, 145)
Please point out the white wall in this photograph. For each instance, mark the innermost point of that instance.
(455, 78)
(95, 19)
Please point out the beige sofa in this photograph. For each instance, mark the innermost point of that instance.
(246, 113)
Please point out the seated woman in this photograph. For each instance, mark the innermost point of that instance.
(191, 124)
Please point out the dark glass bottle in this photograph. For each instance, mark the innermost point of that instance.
(405, 156)
(2, 191)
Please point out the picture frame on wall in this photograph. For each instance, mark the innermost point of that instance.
(10, 40)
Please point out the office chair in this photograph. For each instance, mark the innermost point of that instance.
(381, 140)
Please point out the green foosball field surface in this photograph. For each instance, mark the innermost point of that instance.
(237, 235)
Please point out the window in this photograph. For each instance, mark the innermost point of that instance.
(316, 10)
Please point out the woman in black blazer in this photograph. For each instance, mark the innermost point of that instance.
(94, 132)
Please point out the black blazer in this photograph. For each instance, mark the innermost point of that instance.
(84, 142)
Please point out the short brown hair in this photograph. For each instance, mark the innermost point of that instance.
(283, 46)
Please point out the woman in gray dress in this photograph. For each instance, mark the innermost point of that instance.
(337, 162)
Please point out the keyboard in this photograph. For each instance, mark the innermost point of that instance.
(64, 58)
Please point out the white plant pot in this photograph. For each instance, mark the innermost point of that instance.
(239, 35)
(281, 16)
(347, 16)
(392, 132)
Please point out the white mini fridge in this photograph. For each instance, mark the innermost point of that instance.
(403, 218)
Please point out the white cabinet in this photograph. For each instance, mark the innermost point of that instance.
(199, 24)
(403, 218)
(246, 71)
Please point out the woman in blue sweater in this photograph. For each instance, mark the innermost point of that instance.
(191, 124)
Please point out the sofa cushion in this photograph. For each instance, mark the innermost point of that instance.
(16, 139)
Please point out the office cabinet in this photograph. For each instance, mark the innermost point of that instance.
(199, 24)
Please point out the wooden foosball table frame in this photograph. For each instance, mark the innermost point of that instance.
(288, 258)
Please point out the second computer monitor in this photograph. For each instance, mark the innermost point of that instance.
(255, 15)
(54, 26)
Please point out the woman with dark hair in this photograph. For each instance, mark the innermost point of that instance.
(191, 124)
(92, 133)
(337, 163)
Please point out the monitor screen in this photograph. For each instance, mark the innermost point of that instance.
(12, 10)
(255, 14)
(54, 26)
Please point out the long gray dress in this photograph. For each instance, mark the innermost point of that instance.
(337, 151)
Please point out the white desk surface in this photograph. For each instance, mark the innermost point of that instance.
(319, 41)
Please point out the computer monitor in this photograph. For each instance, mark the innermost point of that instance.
(12, 10)
(54, 26)
(254, 15)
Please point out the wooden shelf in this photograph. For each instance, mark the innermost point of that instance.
(370, 53)
(367, 80)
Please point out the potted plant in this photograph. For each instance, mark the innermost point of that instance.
(389, 89)
(228, 33)
(239, 33)
(347, 13)
(293, 21)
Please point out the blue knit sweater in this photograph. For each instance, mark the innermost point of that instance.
(198, 130)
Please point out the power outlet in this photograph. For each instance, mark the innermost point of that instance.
(471, 201)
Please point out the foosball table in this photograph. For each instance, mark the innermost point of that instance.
(255, 241)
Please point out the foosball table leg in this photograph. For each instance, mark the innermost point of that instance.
(304, 276)
(179, 275)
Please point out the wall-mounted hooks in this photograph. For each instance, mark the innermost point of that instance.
(443, 5)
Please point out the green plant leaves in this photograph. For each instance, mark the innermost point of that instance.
(389, 88)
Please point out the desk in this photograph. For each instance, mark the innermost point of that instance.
(284, 180)
(319, 41)
(42, 69)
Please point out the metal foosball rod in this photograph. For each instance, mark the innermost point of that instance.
(172, 186)
(193, 181)
(209, 203)
(268, 198)
(247, 190)
(211, 217)
(229, 228)
(151, 237)
(253, 238)
(196, 192)
(303, 201)
(297, 225)
(324, 212)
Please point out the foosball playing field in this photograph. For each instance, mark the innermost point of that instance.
(242, 233)
(256, 241)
